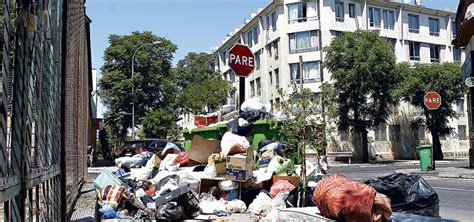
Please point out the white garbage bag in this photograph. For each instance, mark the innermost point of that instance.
(254, 105)
(232, 144)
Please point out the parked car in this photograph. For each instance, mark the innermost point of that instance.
(131, 148)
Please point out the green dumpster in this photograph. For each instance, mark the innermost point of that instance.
(264, 130)
(426, 157)
(214, 132)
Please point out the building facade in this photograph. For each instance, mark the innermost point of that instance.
(287, 29)
(465, 39)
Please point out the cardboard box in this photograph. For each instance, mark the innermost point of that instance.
(220, 167)
(295, 180)
(265, 158)
(202, 148)
(240, 167)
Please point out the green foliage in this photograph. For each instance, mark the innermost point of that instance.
(363, 82)
(441, 78)
(201, 88)
(154, 84)
(304, 116)
(160, 123)
(161, 93)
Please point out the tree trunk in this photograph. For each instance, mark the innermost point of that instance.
(365, 146)
(437, 152)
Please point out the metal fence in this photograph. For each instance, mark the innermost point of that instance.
(44, 107)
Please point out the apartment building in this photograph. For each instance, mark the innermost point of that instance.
(287, 29)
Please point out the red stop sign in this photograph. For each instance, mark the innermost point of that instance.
(432, 100)
(241, 60)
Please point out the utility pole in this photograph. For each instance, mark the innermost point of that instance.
(303, 145)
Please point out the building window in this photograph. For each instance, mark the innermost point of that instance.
(413, 23)
(232, 98)
(415, 51)
(257, 60)
(462, 135)
(311, 72)
(352, 10)
(374, 17)
(434, 52)
(344, 135)
(460, 107)
(269, 50)
(252, 88)
(454, 29)
(339, 11)
(295, 12)
(267, 22)
(250, 38)
(389, 19)
(417, 111)
(270, 77)
(419, 133)
(271, 106)
(276, 49)
(304, 42)
(259, 86)
(232, 76)
(394, 110)
(395, 132)
(256, 32)
(274, 20)
(336, 33)
(457, 55)
(392, 42)
(381, 133)
(277, 103)
(434, 26)
(277, 77)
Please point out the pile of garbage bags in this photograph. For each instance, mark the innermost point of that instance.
(220, 178)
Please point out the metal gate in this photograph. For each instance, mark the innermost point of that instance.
(44, 107)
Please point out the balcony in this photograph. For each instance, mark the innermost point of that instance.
(303, 19)
(434, 33)
(414, 30)
(303, 50)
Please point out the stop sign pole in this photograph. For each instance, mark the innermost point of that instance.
(432, 101)
(242, 62)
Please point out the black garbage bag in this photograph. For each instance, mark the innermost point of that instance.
(233, 126)
(170, 211)
(408, 193)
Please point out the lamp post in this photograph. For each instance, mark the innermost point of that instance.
(133, 85)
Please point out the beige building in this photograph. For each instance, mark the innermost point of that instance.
(287, 29)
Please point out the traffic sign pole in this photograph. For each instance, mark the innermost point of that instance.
(241, 92)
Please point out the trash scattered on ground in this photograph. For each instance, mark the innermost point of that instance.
(218, 177)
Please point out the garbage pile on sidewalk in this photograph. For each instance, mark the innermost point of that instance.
(220, 178)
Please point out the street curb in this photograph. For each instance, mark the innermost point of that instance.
(452, 175)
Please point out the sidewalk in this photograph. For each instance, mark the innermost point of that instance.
(448, 172)
(414, 163)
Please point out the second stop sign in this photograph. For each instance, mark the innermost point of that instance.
(241, 60)
(432, 100)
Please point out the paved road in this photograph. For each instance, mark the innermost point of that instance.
(456, 195)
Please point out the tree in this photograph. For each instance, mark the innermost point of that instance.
(154, 84)
(160, 123)
(303, 127)
(201, 88)
(363, 83)
(441, 78)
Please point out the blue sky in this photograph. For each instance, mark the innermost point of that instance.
(194, 25)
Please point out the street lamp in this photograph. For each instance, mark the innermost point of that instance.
(133, 85)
